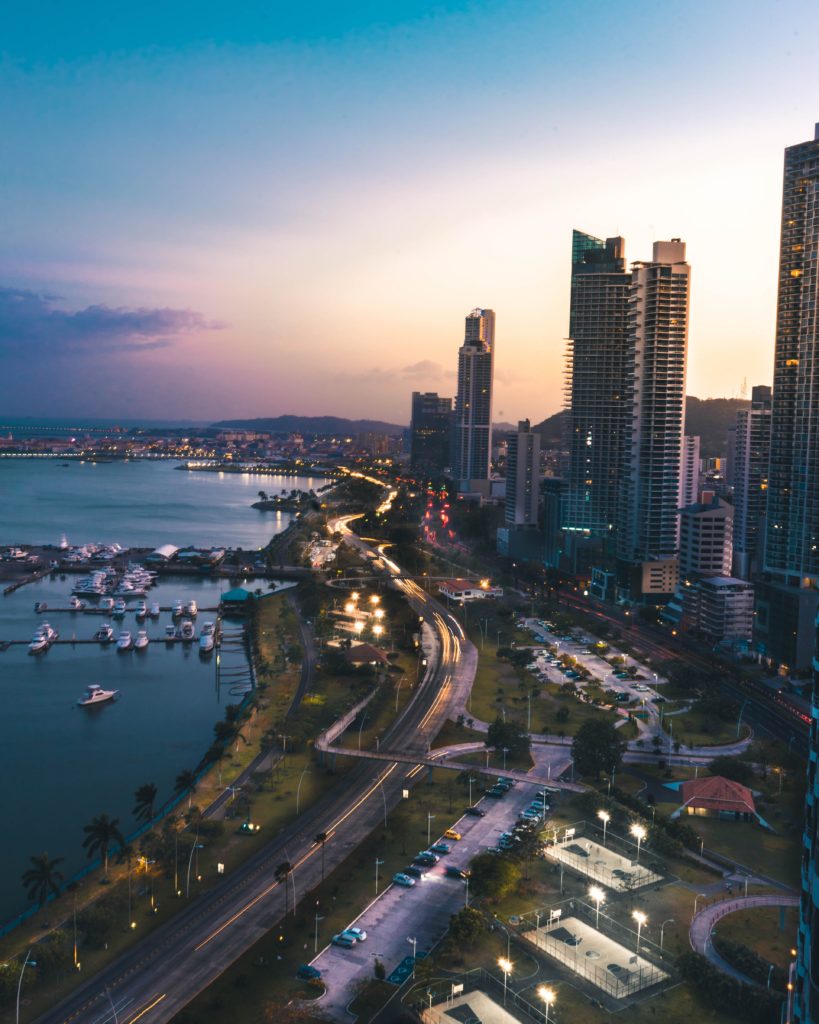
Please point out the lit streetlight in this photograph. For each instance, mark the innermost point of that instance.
(641, 919)
(375, 599)
(548, 997)
(506, 966)
(349, 608)
(414, 945)
(379, 613)
(378, 630)
(639, 833)
(597, 894)
(358, 626)
(605, 817)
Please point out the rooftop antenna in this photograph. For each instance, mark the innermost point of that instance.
(743, 394)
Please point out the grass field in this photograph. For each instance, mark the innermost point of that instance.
(768, 931)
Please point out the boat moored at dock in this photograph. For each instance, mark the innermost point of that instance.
(105, 634)
(125, 641)
(94, 694)
(141, 641)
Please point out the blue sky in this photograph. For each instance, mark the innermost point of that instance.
(256, 208)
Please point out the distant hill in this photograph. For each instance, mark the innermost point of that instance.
(316, 425)
(708, 417)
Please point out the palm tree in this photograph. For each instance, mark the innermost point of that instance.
(282, 873)
(145, 798)
(185, 783)
(321, 837)
(100, 836)
(43, 879)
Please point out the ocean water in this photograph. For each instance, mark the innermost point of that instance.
(61, 764)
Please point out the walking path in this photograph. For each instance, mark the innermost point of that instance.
(706, 920)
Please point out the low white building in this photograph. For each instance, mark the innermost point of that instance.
(468, 590)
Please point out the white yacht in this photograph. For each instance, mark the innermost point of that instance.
(186, 631)
(191, 608)
(170, 631)
(39, 642)
(105, 634)
(119, 607)
(206, 638)
(75, 604)
(177, 609)
(141, 610)
(141, 641)
(125, 641)
(107, 604)
(96, 695)
(154, 612)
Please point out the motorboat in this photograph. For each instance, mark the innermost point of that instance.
(154, 612)
(75, 604)
(40, 606)
(178, 610)
(119, 607)
(170, 632)
(141, 641)
(105, 634)
(191, 608)
(142, 610)
(39, 642)
(50, 633)
(206, 638)
(95, 694)
(107, 604)
(186, 631)
(125, 641)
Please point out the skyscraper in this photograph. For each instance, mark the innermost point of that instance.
(522, 476)
(430, 432)
(650, 474)
(752, 440)
(596, 383)
(690, 470)
(472, 447)
(788, 599)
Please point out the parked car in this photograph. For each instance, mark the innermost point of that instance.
(452, 834)
(497, 792)
(440, 848)
(401, 879)
(343, 940)
(455, 872)
(475, 812)
(426, 859)
(357, 933)
(414, 870)
(306, 972)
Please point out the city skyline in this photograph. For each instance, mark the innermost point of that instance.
(211, 217)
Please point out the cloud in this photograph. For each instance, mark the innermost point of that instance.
(32, 322)
(425, 372)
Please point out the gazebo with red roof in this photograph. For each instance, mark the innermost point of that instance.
(715, 796)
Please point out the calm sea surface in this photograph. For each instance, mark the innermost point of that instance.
(62, 765)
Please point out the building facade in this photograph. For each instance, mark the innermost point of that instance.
(792, 527)
(706, 537)
(430, 433)
(472, 433)
(649, 485)
(596, 363)
(690, 470)
(752, 452)
(522, 477)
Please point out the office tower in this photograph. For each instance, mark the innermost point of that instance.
(596, 383)
(650, 473)
(750, 479)
(690, 470)
(472, 438)
(522, 476)
(788, 598)
(430, 433)
(706, 532)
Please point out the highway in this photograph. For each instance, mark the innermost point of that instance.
(158, 977)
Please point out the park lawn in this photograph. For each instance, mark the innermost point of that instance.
(493, 674)
(451, 734)
(553, 698)
(752, 846)
(245, 988)
(695, 729)
(761, 930)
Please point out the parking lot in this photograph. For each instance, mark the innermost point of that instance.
(421, 912)
(587, 952)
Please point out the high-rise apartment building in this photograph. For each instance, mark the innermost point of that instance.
(596, 363)
(690, 470)
(430, 433)
(752, 450)
(522, 476)
(706, 532)
(650, 472)
(472, 436)
(788, 598)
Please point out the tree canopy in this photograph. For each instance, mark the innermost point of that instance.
(597, 748)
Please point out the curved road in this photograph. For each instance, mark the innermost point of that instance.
(161, 975)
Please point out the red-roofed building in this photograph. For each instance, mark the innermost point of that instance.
(716, 797)
(365, 654)
(468, 590)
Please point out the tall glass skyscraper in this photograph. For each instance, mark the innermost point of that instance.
(472, 435)
(788, 599)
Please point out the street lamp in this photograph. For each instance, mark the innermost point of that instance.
(414, 944)
(695, 903)
(298, 788)
(349, 607)
(378, 864)
(641, 919)
(597, 894)
(639, 833)
(605, 817)
(506, 966)
(375, 599)
(358, 626)
(668, 920)
(548, 997)
(378, 630)
(379, 613)
(505, 752)
(430, 819)
(26, 962)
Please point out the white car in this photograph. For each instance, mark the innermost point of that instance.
(357, 933)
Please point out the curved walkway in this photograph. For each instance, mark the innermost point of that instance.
(703, 924)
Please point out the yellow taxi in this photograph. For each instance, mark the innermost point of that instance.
(452, 834)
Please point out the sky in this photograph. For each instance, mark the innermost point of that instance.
(216, 210)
